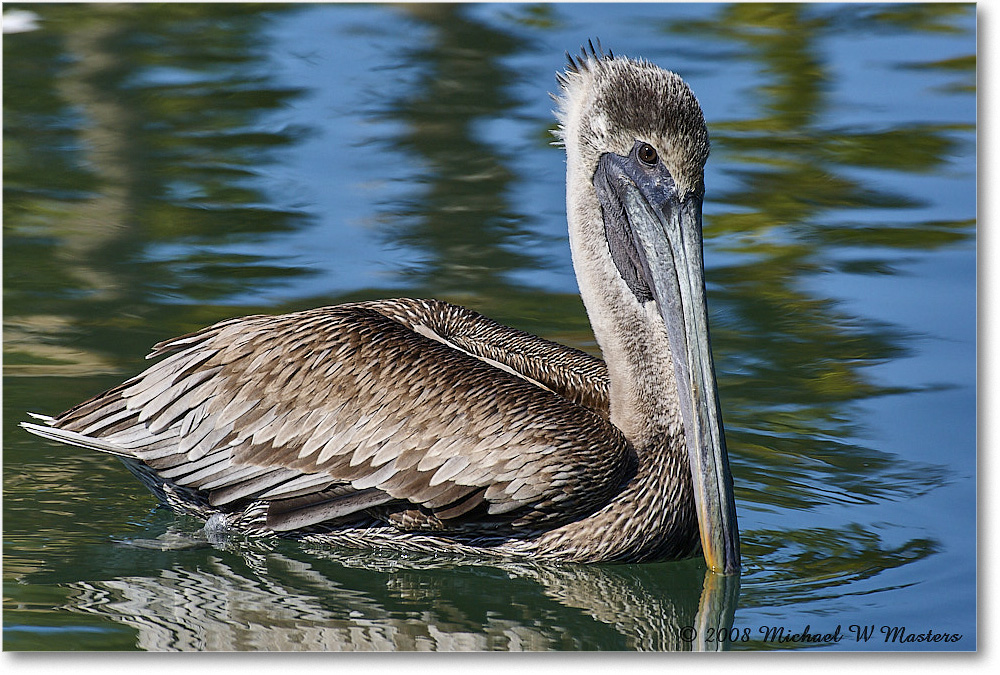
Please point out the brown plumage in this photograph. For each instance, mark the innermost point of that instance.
(422, 425)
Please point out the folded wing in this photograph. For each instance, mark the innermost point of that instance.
(419, 413)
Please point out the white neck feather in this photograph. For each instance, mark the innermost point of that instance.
(633, 339)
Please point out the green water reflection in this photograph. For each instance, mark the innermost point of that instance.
(292, 599)
(142, 159)
(792, 202)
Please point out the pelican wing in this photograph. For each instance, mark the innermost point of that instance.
(569, 372)
(422, 413)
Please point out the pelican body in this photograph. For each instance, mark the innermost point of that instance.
(421, 425)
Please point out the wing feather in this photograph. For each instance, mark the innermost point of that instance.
(248, 487)
(417, 402)
(187, 469)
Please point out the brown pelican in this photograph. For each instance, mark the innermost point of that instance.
(421, 425)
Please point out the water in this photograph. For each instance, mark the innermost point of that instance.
(169, 166)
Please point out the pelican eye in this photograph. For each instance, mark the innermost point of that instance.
(647, 154)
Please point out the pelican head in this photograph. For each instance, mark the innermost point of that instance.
(636, 145)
